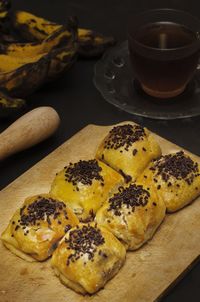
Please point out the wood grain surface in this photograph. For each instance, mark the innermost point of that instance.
(29, 130)
(147, 273)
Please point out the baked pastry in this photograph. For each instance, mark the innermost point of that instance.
(128, 149)
(132, 214)
(176, 177)
(87, 257)
(84, 186)
(35, 228)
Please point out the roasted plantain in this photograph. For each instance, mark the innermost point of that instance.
(91, 43)
(33, 27)
(61, 60)
(10, 63)
(10, 107)
(26, 50)
(20, 77)
(26, 66)
(4, 8)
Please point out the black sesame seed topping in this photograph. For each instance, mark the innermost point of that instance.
(178, 165)
(134, 152)
(124, 136)
(84, 172)
(84, 241)
(131, 197)
(17, 227)
(67, 228)
(127, 178)
(40, 209)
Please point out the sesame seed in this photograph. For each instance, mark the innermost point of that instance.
(84, 172)
(130, 197)
(124, 136)
(178, 165)
(134, 152)
(84, 240)
(40, 209)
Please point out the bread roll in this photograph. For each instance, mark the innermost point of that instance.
(87, 257)
(35, 228)
(128, 148)
(84, 186)
(176, 177)
(132, 214)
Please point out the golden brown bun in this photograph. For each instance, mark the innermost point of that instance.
(132, 214)
(87, 257)
(35, 228)
(84, 186)
(176, 177)
(128, 149)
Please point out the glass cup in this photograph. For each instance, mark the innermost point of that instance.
(164, 48)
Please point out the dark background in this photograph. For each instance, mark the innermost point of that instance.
(79, 103)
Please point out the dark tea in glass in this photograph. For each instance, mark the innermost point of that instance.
(164, 51)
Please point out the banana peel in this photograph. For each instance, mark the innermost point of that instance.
(10, 63)
(20, 77)
(4, 8)
(31, 27)
(23, 78)
(10, 107)
(50, 49)
(24, 67)
(90, 43)
(61, 60)
(55, 40)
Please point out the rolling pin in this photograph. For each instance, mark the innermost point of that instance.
(29, 130)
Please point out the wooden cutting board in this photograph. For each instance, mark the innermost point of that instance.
(147, 274)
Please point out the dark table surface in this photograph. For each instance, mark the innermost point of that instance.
(79, 103)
